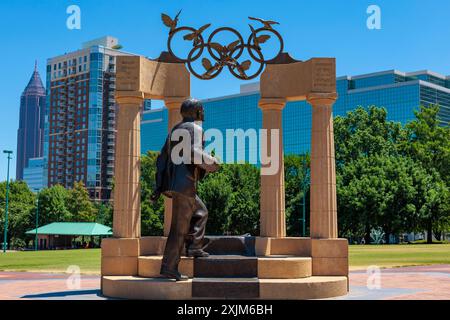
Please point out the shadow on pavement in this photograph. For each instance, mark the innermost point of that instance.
(64, 294)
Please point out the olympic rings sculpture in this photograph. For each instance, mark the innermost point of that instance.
(224, 55)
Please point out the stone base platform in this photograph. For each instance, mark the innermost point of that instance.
(316, 287)
(239, 267)
(229, 266)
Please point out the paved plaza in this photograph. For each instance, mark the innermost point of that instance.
(417, 283)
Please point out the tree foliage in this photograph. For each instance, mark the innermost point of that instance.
(53, 205)
(232, 197)
(389, 176)
(296, 175)
(152, 214)
(21, 211)
(79, 204)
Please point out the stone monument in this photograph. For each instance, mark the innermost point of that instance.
(268, 266)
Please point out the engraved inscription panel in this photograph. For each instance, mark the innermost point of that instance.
(128, 73)
(324, 75)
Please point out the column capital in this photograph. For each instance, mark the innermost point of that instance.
(174, 102)
(129, 97)
(272, 103)
(317, 98)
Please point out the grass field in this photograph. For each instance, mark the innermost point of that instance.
(398, 255)
(360, 258)
(51, 261)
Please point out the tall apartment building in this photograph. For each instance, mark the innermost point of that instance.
(400, 93)
(30, 135)
(80, 118)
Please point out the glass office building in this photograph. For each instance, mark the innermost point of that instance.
(33, 174)
(400, 93)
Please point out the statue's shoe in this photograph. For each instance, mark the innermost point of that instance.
(173, 275)
(205, 243)
(197, 253)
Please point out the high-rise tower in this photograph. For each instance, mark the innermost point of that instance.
(80, 118)
(30, 136)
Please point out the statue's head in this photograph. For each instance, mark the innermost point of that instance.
(192, 110)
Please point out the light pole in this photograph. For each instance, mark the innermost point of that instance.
(5, 231)
(37, 220)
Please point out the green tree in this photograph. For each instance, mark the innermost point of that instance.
(364, 132)
(365, 143)
(296, 168)
(104, 213)
(389, 176)
(152, 214)
(215, 191)
(378, 191)
(429, 141)
(53, 205)
(79, 204)
(232, 197)
(21, 211)
(243, 207)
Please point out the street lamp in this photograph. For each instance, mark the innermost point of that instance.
(5, 231)
(37, 220)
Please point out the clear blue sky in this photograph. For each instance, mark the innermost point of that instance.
(415, 35)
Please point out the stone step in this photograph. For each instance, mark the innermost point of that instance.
(150, 266)
(316, 287)
(231, 245)
(226, 266)
(130, 287)
(223, 266)
(225, 288)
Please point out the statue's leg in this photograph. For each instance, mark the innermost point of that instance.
(181, 215)
(198, 224)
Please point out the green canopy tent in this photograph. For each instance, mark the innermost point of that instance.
(59, 235)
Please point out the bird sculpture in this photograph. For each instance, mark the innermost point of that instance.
(168, 22)
(242, 67)
(258, 39)
(196, 34)
(224, 50)
(210, 69)
(267, 23)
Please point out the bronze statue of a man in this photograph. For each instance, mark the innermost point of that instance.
(180, 165)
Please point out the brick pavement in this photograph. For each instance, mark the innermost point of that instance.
(417, 283)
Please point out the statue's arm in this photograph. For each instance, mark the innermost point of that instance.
(208, 162)
(161, 167)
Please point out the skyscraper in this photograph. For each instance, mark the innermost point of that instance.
(80, 117)
(30, 135)
(33, 174)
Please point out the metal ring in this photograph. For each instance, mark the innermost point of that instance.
(240, 38)
(257, 73)
(171, 35)
(191, 69)
(250, 47)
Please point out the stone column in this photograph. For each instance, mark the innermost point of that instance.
(127, 192)
(323, 221)
(173, 106)
(272, 208)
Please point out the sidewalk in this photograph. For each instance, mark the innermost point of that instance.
(408, 283)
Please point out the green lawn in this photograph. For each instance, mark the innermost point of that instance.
(52, 261)
(360, 257)
(398, 255)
